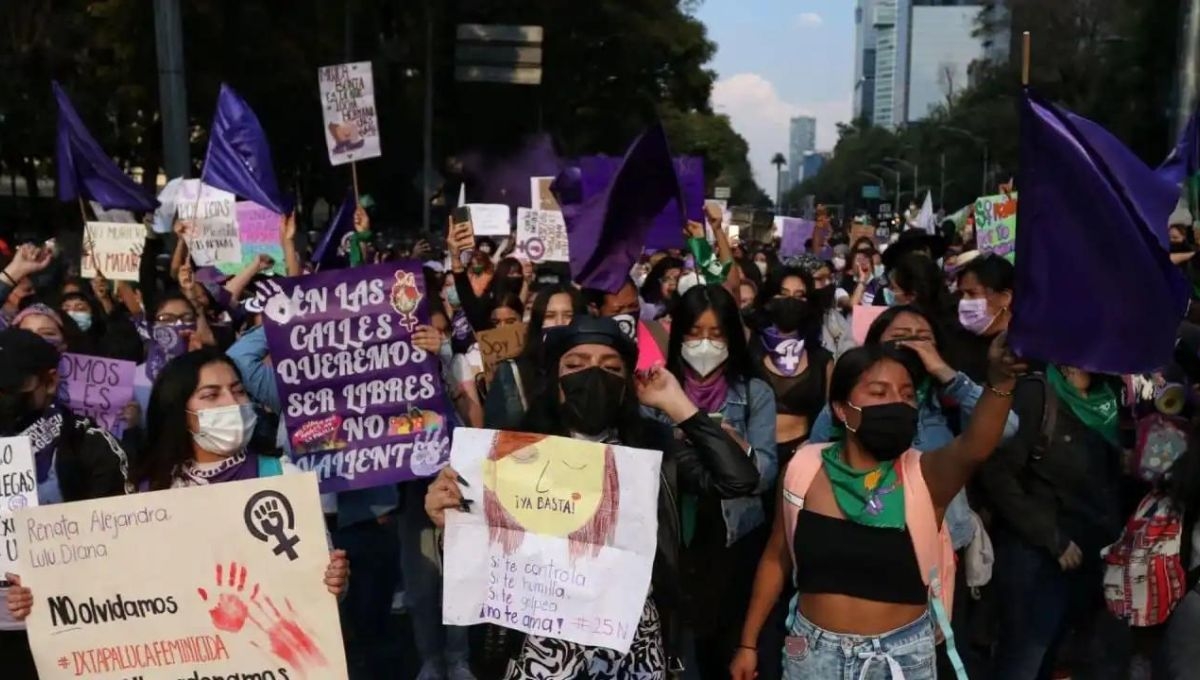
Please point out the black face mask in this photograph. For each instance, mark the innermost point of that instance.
(823, 297)
(886, 430)
(592, 400)
(788, 314)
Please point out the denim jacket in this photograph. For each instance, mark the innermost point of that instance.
(933, 432)
(750, 410)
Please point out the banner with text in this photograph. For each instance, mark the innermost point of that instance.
(258, 230)
(211, 232)
(561, 538)
(351, 121)
(996, 225)
(223, 581)
(113, 250)
(98, 388)
(542, 236)
(363, 407)
(18, 489)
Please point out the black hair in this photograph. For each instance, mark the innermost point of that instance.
(920, 277)
(863, 240)
(168, 438)
(811, 332)
(994, 272)
(534, 341)
(850, 368)
(911, 360)
(500, 277)
(172, 295)
(699, 299)
(510, 300)
(594, 297)
(98, 327)
(652, 287)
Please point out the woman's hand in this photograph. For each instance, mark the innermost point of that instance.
(28, 260)
(20, 599)
(659, 389)
(442, 495)
(744, 665)
(362, 221)
(1003, 365)
(287, 229)
(100, 288)
(337, 574)
(735, 436)
(693, 230)
(934, 363)
(427, 338)
(713, 214)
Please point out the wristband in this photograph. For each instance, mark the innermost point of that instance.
(8, 276)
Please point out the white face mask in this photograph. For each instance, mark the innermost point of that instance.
(224, 430)
(839, 263)
(762, 267)
(705, 356)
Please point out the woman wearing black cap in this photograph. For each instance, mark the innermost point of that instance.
(591, 396)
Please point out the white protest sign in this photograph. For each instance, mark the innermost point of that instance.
(542, 235)
(113, 250)
(223, 580)
(18, 489)
(115, 215)
(212, 236)
(560, 539)
(348, 102)
(540, 195)
(490, 219)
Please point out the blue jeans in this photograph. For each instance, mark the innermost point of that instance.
(372, 549)
(812, 652)
(422, 562)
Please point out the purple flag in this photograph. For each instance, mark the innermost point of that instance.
(363, 407)
(85, 170)
(504, 178)
(1183, 163)
(239, 158)
(596, 173)
(608, 229)
(1095, 288)
(333, 250)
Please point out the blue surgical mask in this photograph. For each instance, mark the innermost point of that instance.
(879, 269)
(452, 297)
(81, 319)
(889, 297)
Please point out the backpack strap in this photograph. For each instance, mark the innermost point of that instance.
(269, 466)
(801, 471)
(935, 552)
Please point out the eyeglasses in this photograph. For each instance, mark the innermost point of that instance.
(173, 319)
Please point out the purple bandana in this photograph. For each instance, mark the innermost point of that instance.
(166, 343)
(785, 351)
(708, 396)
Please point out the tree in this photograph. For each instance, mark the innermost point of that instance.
(778, 161)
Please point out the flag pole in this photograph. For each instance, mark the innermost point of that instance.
(1026, 41)
(354, 177)
(87, 231)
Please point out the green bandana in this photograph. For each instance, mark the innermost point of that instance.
(357, 241)
(1097, 410)
(869, 497)
(707, 264)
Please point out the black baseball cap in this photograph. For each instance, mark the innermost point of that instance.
(591, 330)
(23, 354)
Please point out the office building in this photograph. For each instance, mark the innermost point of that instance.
(802, 139)
(813, 162)
(943, 49)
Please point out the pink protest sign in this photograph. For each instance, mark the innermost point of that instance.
(861, 319)
(649, 354)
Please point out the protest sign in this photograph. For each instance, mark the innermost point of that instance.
(348, 102)
(861, 318)
(561, 538)
(363, 407)
(224, 580)
(113, 250)
(211, 235)
(115, 215)
(541, 196)
(18, 489)
(98, 388)
(996, 225)
(500, 344)
(258, 230)
(795, 232)
(490, 219)
(542, 236)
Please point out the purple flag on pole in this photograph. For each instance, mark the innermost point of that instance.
(363, 407)
(332, 251)
(608, 229)
(596, 173)
(85, 170)
(1088, 201)
(239, 158)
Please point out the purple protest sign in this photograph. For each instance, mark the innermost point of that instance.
(362, 406)
(667, 231)
(795, 232)
(98, 388)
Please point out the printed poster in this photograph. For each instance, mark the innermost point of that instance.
(542, 236)
(363, 407)
(348, 103)
(560, 539)
(222, 581)
(98, 388)
(211, 232)
(112, 250)
(258, 230)
(996, 225)
(18, 489)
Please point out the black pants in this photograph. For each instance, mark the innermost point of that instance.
(16, 660)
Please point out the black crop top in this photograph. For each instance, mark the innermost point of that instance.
(845, 558)
(803, 394)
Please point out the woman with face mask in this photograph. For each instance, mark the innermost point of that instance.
(828, 301)
(859, 536)
(592, 394)
(15, 284)
(45, 322)
(658, 290)
(74, 460)
(984, 310)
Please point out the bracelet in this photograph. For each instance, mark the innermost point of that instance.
(752, 649)
(998, 392)
(9, 277)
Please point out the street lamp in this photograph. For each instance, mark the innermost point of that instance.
(912, 166)
(884, 168)
(981, 142)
